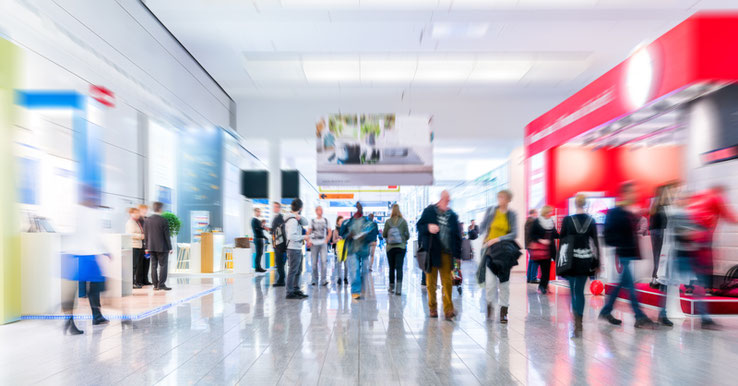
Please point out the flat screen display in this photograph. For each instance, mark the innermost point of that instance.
(290, 184)
(255, 183)
(596, 207)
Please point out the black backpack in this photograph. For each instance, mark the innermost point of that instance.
(576, 246)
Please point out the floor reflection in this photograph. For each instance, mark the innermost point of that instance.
(247, 332)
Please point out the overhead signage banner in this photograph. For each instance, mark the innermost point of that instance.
(374, 150)
(703, 48)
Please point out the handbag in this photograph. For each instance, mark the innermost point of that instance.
(341, 248)
(423, 257)
(539, 251)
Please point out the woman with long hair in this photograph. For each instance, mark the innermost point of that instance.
(579, 241)
(396, 233)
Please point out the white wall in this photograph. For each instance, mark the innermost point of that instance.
(72, 44)
(118, 44)
(516, 163)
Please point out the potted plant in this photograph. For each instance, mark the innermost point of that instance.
(174, 223)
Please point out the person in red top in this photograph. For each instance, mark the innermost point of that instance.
(706, 209)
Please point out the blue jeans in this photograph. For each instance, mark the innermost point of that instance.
(356, 265)
(532, 269)
(627, 282)
(576, 286)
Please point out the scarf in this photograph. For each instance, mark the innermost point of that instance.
(546, 223)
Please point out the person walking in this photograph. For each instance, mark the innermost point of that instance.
(706, 209)
(397, 234)
(621, 227)
(532, 271)
(134, 228)
(318, 238)
(259, 238)
(293, 224)
(340, 269)
(143, 279)
(473, 231)
(438, 233)
(358, 232)
(500, 224)
(159, 246)
(579, 242)
(657, 223)
(543, 237)
(373, 242)
(279, 243)
(80, 265)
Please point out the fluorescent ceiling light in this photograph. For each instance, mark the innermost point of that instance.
(454, 150)
(556, 3)
(484, 4)
(388, 70)
(500, 70)
(443, 70)
(366, 4)
(332, 70)
(274, 70)
(444, 30)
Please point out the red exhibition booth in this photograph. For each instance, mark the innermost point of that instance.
(668, 112)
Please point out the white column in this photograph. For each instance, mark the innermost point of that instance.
(275, 167)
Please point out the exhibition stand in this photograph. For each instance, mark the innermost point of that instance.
(661, 115)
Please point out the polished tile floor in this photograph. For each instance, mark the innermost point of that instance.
(248, 333)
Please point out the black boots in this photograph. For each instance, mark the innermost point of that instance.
(503, 315)
(70, 328)
(391, 288)
(577, 326)
(398, 288)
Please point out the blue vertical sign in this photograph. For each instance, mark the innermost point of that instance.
(87, 147)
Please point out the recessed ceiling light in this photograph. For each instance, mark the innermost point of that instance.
(443, 30)
(331, 70)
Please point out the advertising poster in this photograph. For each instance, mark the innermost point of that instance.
(374, 149)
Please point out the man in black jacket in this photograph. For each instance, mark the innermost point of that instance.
(621, 232)
(159, 245)
(259, 238)
(438, 233)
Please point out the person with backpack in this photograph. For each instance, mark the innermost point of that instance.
(396, 233)
(580, 253)
(293, 231)
(359, 232)
(279, 243)
(318, 239)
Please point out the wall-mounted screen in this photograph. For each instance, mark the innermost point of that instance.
(290, 184)
(255, 183)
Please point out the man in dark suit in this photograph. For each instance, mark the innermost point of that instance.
(159, 245)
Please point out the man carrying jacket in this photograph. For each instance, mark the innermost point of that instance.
(621, 232)
(438, 233)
